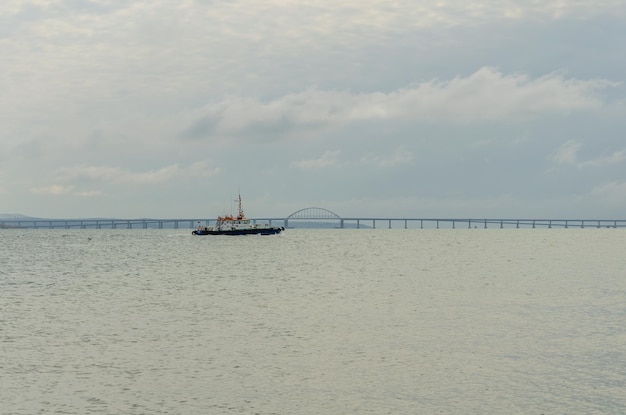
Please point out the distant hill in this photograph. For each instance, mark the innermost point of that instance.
(15, 216)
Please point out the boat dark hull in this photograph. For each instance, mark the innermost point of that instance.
(239, 232)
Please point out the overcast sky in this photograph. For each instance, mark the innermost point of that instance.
(407, 108)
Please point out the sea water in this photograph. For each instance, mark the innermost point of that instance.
(472, 321)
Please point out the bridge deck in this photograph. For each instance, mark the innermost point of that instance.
(360, 222)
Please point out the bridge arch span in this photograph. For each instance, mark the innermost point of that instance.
(314, 213)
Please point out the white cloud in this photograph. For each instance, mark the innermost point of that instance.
(616, 157)
(118, 175)
(145, 50)
(53, 189)
(60, 189)
(291, 19)
(89, 193)
(612, 188)
(567, 154)
(611, 193)
(329, 159)
(400, 156)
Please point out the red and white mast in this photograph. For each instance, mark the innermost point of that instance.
(240, 214)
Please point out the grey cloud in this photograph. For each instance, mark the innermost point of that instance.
(485, 95)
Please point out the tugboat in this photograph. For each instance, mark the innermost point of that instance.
(239, 225)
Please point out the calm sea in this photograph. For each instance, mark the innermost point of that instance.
(472, 321)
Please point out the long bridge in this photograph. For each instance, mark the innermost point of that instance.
(304, 217)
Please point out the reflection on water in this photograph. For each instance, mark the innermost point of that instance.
(311, 322)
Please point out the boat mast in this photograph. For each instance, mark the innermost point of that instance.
(240, 214)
